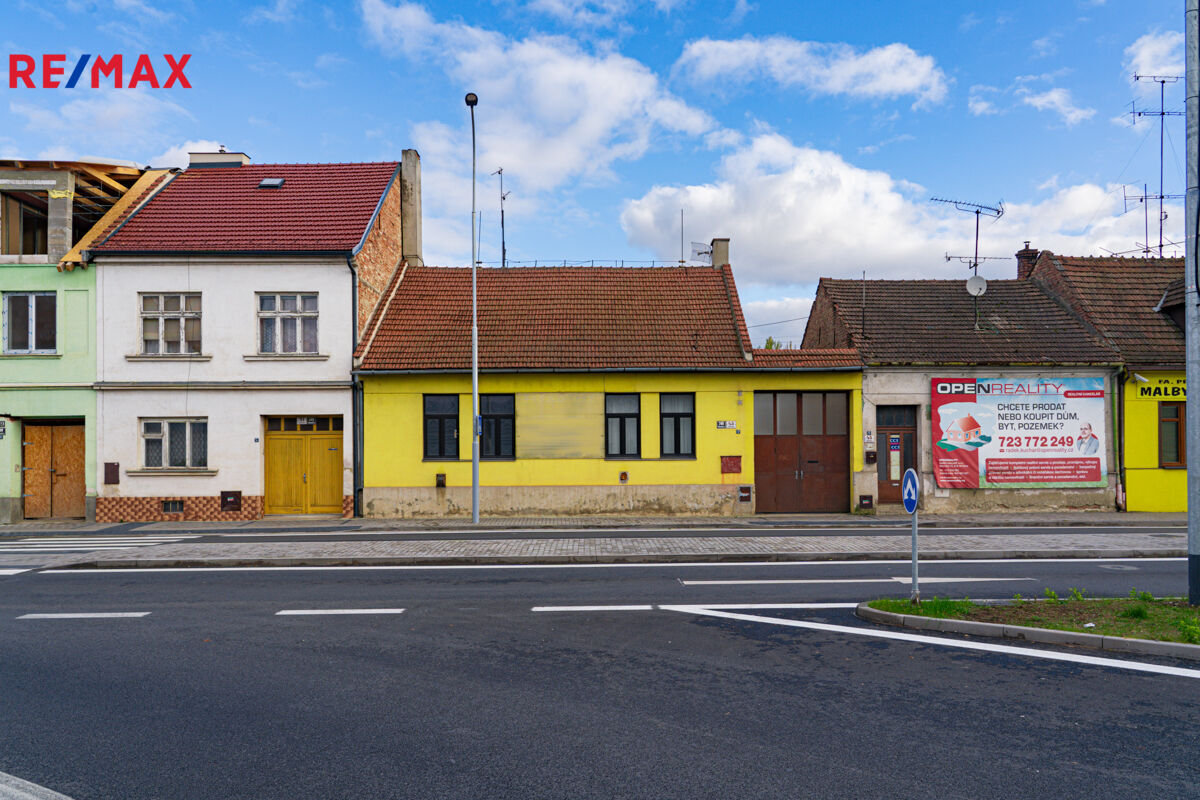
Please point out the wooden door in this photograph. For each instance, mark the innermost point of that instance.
(37, 448)
(777, 473)
(67, 485)
(285, 474)
(896, 429)
(824, 459)
(323, 475)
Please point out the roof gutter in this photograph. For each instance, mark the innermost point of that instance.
(736, 370)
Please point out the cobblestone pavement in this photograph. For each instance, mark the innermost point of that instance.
(333, 524)
(637, 548)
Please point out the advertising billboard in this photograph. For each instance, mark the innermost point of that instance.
(1018, 433)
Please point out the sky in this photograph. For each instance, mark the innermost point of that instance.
(812, 135)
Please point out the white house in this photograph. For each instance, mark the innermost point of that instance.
(228, 308)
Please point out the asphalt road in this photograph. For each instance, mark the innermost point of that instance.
(470, 693)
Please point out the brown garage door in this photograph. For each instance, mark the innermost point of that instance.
(801, 451)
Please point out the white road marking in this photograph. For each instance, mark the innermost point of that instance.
(851, 580)
(986, 647)
(13, 571)
(593, 608)
(305, 612)
(101, 539)
(87, 615)
(632, 565)
(13, 788)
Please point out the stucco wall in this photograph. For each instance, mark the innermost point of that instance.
(1148, 487)
(904, 387)
(49, 386)
(235, 434)
(399, 482)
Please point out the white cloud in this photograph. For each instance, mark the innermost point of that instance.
(1045, 45)
(894, 70)
(330, 61)
(1059, 101)
(142, 9)
(177, 156)
(980, 107)
(795, 214)
(127, 122)
(554, 111)
(1155, 54)
(278, 11)
(583, 13)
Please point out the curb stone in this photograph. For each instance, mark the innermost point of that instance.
(1116, 644)
(604, 558)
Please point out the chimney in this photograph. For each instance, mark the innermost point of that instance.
(410, 207)
(1025, 261)
(219, 159)
(720, 252)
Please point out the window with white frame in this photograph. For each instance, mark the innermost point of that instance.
(174, 443)
(30, 322)
(170, 324)
(287, 323)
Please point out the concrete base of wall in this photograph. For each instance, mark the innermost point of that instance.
(11, 510)
(424, 501)
(89, 507)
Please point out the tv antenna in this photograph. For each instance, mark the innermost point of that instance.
(503, 196)
(701, 252)
(976, 285)
(1162, 114)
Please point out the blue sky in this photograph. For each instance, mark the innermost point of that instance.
(811, 134)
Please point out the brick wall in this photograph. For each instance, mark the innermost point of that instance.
(380, 255)
(824, 329)
(149, 509)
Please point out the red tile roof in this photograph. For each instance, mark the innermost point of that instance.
(812, 358)
(1119, 297)
(319, 208)
(563, 318)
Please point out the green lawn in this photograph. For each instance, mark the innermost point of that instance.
(1139, 616)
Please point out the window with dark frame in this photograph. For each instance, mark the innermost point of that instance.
(499, 426)
(441, 426)
(622, 426)
(1172, 435)
(174, 443)
(678, 414)
(30, 322)
(287, 324)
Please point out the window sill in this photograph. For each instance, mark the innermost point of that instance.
(676, 458)
(170, 357)
(442, 460)
(141, 473)
(31, 355)
(287, 357)
(623, 458)
(1172, 466)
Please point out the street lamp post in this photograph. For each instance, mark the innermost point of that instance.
(472, 100)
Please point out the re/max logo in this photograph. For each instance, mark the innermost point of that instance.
(22, 69)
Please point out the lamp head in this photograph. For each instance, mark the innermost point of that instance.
(472, 99)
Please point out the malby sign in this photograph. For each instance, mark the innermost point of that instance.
(1018, 433)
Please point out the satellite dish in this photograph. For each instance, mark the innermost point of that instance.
(976, 285)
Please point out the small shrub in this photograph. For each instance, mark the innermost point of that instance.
(1145, 597)
(1075, 594)
(1190, 630)
(1017, 598)
(1135, 612)
(1051, 595)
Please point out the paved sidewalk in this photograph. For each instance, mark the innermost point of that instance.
(618, 549)
(616, 522)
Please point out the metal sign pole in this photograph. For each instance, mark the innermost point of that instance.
(916, 589)
(1191, 27)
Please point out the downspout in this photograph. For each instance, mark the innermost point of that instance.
(355, 392)
(1119, 424)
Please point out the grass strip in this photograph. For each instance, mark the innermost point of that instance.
(1139, 616)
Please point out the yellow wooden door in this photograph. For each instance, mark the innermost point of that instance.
(324, 475)
(36, 455)
(285, 474)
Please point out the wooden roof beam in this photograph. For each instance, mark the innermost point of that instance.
(119, 188)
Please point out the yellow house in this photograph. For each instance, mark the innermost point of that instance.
(1136, 305)
(602, 390)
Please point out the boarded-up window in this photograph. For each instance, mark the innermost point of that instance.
(560, 425)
